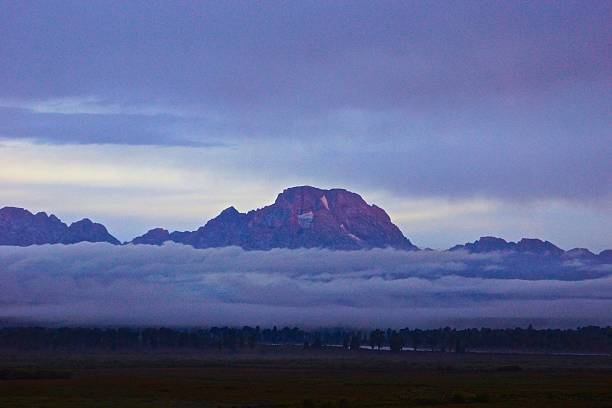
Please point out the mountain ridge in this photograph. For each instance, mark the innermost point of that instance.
(533, 246)
(300, 217)
(20, 227)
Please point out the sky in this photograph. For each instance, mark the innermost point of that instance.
(461, 119)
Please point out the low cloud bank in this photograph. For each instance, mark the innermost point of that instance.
(180, 285)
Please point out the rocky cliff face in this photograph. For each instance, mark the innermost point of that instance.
(20, 227)
(301, 217)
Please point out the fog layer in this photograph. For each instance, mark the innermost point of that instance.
(180, 285)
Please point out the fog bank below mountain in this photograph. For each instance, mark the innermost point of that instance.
(179, 285)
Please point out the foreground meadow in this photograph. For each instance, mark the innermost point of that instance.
(291, 377)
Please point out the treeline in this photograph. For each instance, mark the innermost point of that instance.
(585, 339)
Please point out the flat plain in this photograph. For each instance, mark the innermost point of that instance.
(291, 377)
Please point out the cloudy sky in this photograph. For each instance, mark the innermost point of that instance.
(461, 119)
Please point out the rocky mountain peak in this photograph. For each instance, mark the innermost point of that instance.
(230, 214)
(302, 217)
(20, 227)
(86, 230)
(538, 246)
(486, 244)
(155, 236)
(526, 245)
(579, 253)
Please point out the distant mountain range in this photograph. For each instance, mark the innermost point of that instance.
(20, 227)
(531, 246)
(301, 217)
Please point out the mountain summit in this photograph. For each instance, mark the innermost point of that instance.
(525, 245)
(301, 217)
(533, 246)
(20, 227)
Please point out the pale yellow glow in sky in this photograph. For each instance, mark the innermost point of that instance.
(134, 188)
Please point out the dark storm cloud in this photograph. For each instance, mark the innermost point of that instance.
(174, 284)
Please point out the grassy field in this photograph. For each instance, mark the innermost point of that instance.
(291, 377)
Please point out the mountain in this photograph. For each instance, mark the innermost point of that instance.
(533, 246)
(486, 244)
(19, 227)
(88, 231)
(301, 217)
(156, 236)
(578, 253)
(525, 245)
(605, 256)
